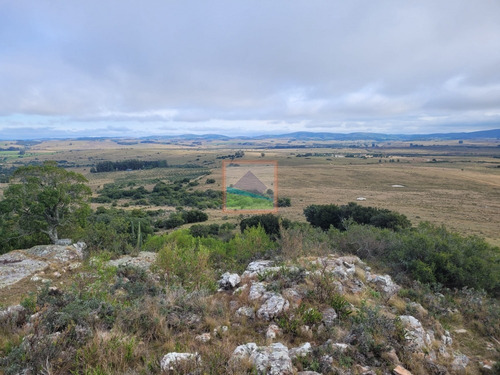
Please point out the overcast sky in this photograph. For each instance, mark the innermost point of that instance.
(135, 68)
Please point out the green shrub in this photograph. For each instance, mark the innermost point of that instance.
(269, 222)
(284, 202)
(324, 216)
(432, 254)
(177, 262)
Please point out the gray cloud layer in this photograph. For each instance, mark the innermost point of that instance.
(243, 66)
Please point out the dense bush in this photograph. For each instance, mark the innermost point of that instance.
(324, 216)
(233, 254)
(117, 231)
(427, 253)
(176, 219)
(433, 254)
(213, 230)
(284, 202)
(163, 194)
(269, 222)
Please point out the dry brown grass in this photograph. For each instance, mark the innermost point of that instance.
(461, 190)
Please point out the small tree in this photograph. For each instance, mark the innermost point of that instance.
(46, 198)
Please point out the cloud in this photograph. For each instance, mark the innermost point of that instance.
(354, 65)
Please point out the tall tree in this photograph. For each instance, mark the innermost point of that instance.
(46, 198)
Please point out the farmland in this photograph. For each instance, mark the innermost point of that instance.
(441, 182)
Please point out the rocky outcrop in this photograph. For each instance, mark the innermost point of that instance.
(271, 360)
(383, 284)
(143, 260)
(259, 267)
(416, 335)
(273, 307)
(20, 264)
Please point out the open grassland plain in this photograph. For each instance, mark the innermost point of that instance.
(444, 183)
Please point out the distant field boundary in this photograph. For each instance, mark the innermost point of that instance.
(231, 190)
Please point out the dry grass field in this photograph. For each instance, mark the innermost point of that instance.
(442, 183)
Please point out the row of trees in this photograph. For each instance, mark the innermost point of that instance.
(132, 164)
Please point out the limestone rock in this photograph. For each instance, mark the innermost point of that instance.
(383, 284)
(301, 351)
(271, 360)
(446, 339)
(273, 307)
(415, 333)
(259, 267)
(246, 311)
(329, 317)
(179, 361)
(460, 362)
(273, 331)
(64, 242)
(143, 260)
(257, 291)
(204, 337)
(16, 265)
(401, 371)
(229, 281)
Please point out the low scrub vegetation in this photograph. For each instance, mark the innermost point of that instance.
(324, 216)
(162, 194)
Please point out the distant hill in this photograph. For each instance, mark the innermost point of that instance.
(326, 136)
(301, 136)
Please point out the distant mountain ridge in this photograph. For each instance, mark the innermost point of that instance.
(300, 135)
(356, 136)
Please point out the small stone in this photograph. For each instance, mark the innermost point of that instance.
(229, 281)
(273, 331)
(204, 337)
(341, 347)
(398, 370)
(460, 362)
(329, 317)
(446, 339)
(246, 311)
(74, 266)
(460, 331)
(220, 330)
(57, 274)
(301, 351)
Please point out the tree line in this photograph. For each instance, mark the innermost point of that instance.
(131, 164)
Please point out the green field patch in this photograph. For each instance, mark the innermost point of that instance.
(246, 202)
